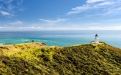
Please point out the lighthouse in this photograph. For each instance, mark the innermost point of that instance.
(96, 39)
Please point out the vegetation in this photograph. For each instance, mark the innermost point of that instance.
(38, 59)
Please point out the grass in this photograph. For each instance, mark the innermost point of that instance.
(39, 59)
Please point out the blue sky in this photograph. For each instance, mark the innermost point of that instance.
(60, 14)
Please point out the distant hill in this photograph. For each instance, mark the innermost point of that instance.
(39, 59)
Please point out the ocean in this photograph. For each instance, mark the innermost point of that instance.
(61, 37)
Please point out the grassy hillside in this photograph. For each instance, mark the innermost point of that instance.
(39, 59)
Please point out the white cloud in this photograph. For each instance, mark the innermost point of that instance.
(112, 20)
(106, 3)
(6, 1)
(8, 8)
(52, 21)
(16, 23)
(4, 13)
(102, 5)
(94, 1)
(79, 9)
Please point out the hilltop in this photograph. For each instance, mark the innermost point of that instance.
(39, 59)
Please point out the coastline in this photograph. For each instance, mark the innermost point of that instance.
(60, 38)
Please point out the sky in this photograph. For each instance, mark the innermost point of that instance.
(60, 14)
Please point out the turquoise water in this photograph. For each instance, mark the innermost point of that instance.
(61, 38)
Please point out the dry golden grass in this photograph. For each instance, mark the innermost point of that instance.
(11, 49)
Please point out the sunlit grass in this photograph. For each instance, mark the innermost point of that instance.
(39, 59)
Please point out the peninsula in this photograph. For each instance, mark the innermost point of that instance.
(39, 59)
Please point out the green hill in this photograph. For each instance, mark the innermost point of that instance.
(39, 59)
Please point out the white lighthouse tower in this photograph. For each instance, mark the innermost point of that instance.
(96, 39)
